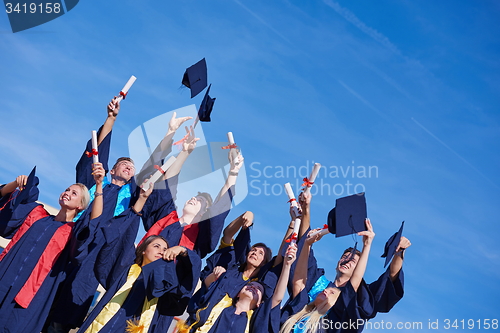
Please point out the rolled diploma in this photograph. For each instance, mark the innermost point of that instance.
(313, 175)
(322, 232)
(126, 88)
(95, 158)
(296, 226)
(157, 175)
(233, 151)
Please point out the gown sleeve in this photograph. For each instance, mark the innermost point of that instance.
(156, 158)
(386, 292)
(211, 227)
(118, 250)
(84, 165)
(14, 213)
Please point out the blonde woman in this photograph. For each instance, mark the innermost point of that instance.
(36, 261)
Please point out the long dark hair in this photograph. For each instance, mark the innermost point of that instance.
(142, 247)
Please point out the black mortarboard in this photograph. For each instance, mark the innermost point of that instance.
(392, 244)
(348, 216)
(206, 107)
(24, 194)
(195, 77)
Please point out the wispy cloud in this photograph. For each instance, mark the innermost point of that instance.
(261, 20)
(365, 102)
(454, 152)
(349, 16)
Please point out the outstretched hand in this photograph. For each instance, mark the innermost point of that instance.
(146, 193)
(291, 254)
(368, 235)
(404, 243)
(190, 143)
(313, 238)
(21, 182)
(98, 172)
(175, 123)
(236, 161)
(113, 108)
(172, 252)
(247, 220)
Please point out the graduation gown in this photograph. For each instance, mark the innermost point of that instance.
(350, 307)
(77, 294)
(201, 237)
(26, 297)
(171, 282)
(387, 293)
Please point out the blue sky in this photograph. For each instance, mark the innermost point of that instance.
(410, 89)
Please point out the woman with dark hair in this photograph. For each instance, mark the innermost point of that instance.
(42, 249)
(143, 296)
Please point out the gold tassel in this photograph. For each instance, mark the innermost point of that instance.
(133, 326)
(181, 324)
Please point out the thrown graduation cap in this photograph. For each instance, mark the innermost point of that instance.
(206, 107)
(24, 194)
(195, 77)
(392, 244)
(348, 216)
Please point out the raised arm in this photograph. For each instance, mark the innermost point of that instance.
(8, 188)
(243, 221)
(187, 148)
(300, 274)
(98, 203)
(359, 271)
(305, 205)
(397, 260)
(162, 150)
(279, 290)
(236, 162)
(107, 127)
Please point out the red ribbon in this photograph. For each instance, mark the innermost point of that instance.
(181, 141)
(123, 94)
(157, 167)
(325, 226)
(93, 152)
(307, 182)
(12, 197)
(292, 199)
(292, 237)
(231, 146)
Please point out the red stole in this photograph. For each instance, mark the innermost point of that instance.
(189, 232)
(46, 261)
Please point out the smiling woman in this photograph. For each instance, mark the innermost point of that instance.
(41, 248)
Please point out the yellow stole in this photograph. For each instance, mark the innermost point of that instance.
(215, 313)
(115, 304)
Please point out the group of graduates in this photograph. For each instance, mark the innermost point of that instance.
(53, 264)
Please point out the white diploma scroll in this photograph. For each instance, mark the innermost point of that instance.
(295, 208)
(158, 174)
(95, 157)
(321, 231)
(126, 88)
(313, 175)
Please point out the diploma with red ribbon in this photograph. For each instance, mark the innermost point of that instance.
(322, 231)
(295, 208)
(124, 91)
(308, 182)
(94, 153)
(232, 146)
(161, 171)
